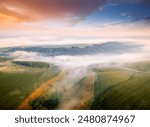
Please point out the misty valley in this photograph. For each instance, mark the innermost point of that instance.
(108, 76)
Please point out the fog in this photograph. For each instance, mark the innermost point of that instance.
(77, 67)
(68, 61)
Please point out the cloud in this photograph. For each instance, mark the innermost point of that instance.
(139, 19)
(69, 61)
(127, 14)
(75, 20)
(143, 2)
(114, 23)
(25, 10)
(113, 4)
(135, 18)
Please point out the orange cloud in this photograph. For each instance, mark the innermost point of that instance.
(24, 10)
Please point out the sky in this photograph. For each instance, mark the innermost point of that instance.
(58, 22)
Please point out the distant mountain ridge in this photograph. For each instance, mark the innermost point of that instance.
(108, 47)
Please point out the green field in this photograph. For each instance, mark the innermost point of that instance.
(125, 87)
(17, 85)
(3, 59)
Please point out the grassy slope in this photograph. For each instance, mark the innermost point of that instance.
(15, 86)
(109, 78)
(113, 88)
(3, 59)
(122, 90)
(140, 66)
(32, 64)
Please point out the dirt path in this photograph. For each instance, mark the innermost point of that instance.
(77, 97)
(89, 87)
(88, 90)
(40, 91)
